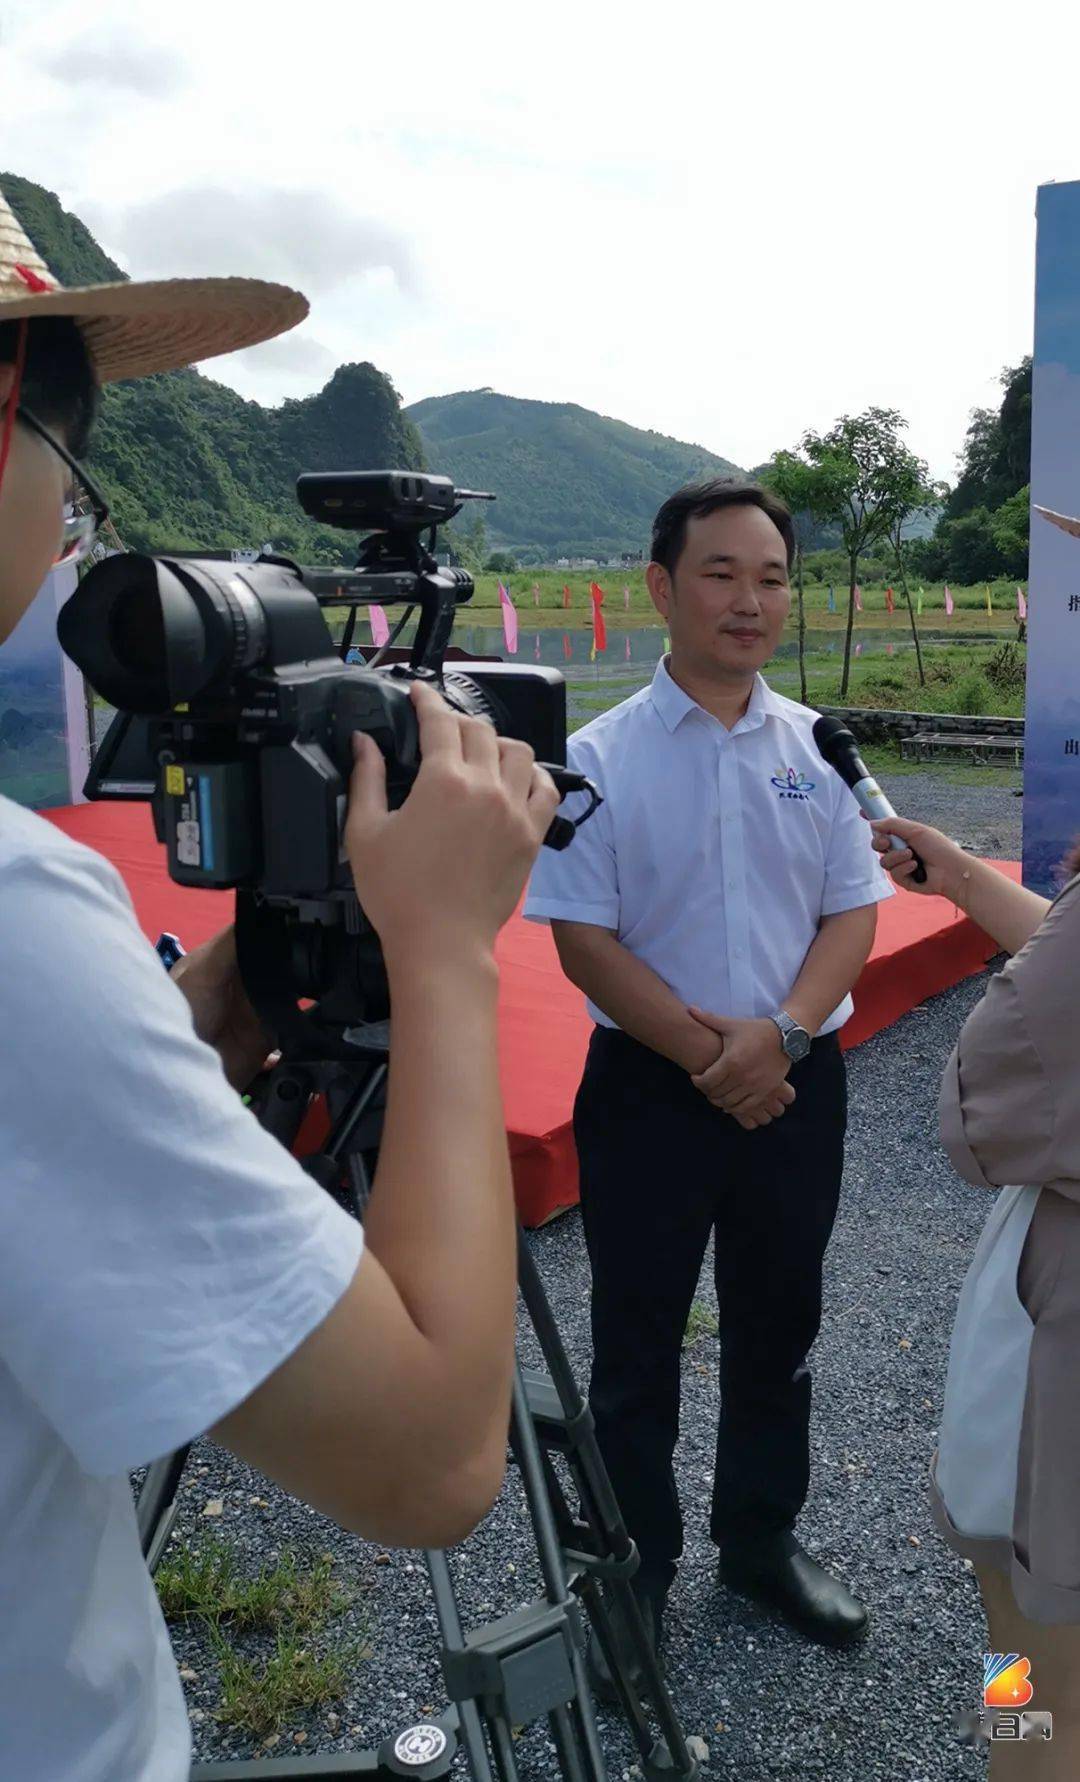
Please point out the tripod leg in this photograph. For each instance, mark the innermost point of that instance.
(155, 1509)
(613, 1551)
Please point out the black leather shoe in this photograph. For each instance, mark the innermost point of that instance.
(778, 1574)
(596, 1665)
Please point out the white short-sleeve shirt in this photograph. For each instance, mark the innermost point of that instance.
(162, 1255)
(716, 853)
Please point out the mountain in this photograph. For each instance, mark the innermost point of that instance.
(569, 482)
(186, 462)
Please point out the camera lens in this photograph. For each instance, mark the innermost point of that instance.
(137, 631)
(152, 633)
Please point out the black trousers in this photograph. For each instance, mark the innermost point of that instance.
(660, 1169)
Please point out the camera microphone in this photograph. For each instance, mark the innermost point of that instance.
(839, 748)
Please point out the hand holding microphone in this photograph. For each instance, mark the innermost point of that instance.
(841, 751)
(905, 846)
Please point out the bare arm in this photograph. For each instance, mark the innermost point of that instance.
(1008, 913)
(832, 967)
(632, 995)
(392, 1416)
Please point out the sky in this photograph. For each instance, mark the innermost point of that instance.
(726, 228)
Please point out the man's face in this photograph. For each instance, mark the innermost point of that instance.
(726, 603)
(32, 496)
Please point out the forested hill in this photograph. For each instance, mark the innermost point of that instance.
(569, 482)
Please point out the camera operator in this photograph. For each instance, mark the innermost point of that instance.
(169, 1268)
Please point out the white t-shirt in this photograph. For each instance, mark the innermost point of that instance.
(161, 1255)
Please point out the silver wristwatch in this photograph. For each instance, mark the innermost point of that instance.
(794, 1039)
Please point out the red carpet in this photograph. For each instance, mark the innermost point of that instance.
(921, 948)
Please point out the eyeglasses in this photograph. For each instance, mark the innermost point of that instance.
(87, 510)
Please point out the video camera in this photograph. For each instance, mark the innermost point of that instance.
(236, 711)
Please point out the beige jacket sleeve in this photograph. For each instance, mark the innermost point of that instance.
(1010, 1099)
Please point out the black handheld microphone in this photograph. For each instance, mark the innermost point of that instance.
(841, 751)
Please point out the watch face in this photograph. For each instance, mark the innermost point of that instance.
(797, 1044)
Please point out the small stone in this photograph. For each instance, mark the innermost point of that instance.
(271, 1740)
(720, 1727)
(904, 1343)
(915, 1541)
(214, 1506)
(196, 1716)
(382, 1559)
(698, 1748)
(187, 1675)
(259, 1503)
(299, 1738)
(333, 1722)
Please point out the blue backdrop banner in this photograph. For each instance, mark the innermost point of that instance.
(1052, 728)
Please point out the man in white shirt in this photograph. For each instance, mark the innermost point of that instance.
(168, 1267)
(716, 912)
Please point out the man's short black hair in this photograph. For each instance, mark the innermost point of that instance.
(698, 499)
(58, 384)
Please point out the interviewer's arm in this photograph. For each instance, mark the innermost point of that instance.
(393, 1415)
(1008, 912)
(632, 995)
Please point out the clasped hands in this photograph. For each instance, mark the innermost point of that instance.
(749, 1079)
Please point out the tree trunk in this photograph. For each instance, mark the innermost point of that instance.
(845, 677)
(911, 609)
(802, 623)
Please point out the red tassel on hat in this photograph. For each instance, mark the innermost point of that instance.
(32, 280)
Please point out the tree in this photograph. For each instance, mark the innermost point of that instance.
(500, 563)
(867, 472)
(916, 493)
(809, 492)
(1009, 526)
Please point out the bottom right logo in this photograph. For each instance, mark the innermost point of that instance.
(1008, 1690)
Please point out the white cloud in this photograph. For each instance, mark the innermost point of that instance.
(725, 229)
(124, 63)
(303, 237)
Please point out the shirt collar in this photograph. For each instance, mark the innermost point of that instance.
(673, 705)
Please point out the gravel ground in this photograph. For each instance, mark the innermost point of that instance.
(986, 819)
(767, 1704)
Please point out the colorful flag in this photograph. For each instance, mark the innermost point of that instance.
(536, 647)
(858, 649)
(918, 603)
(567, 647)
(890, 602)
(1021, 604)
(889, 651)
(509, 619)
(596, 595)
(832, 598)
(566, 594)
(858, 598)
(989, 602)
(592, 651)
(380, 626)
(626, 598)
(628, 646)
(948, 602)
(536, 593)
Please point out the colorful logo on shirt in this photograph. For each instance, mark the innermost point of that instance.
(791, 783)
(1006, 1680)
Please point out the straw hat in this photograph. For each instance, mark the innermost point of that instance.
(132, 329)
